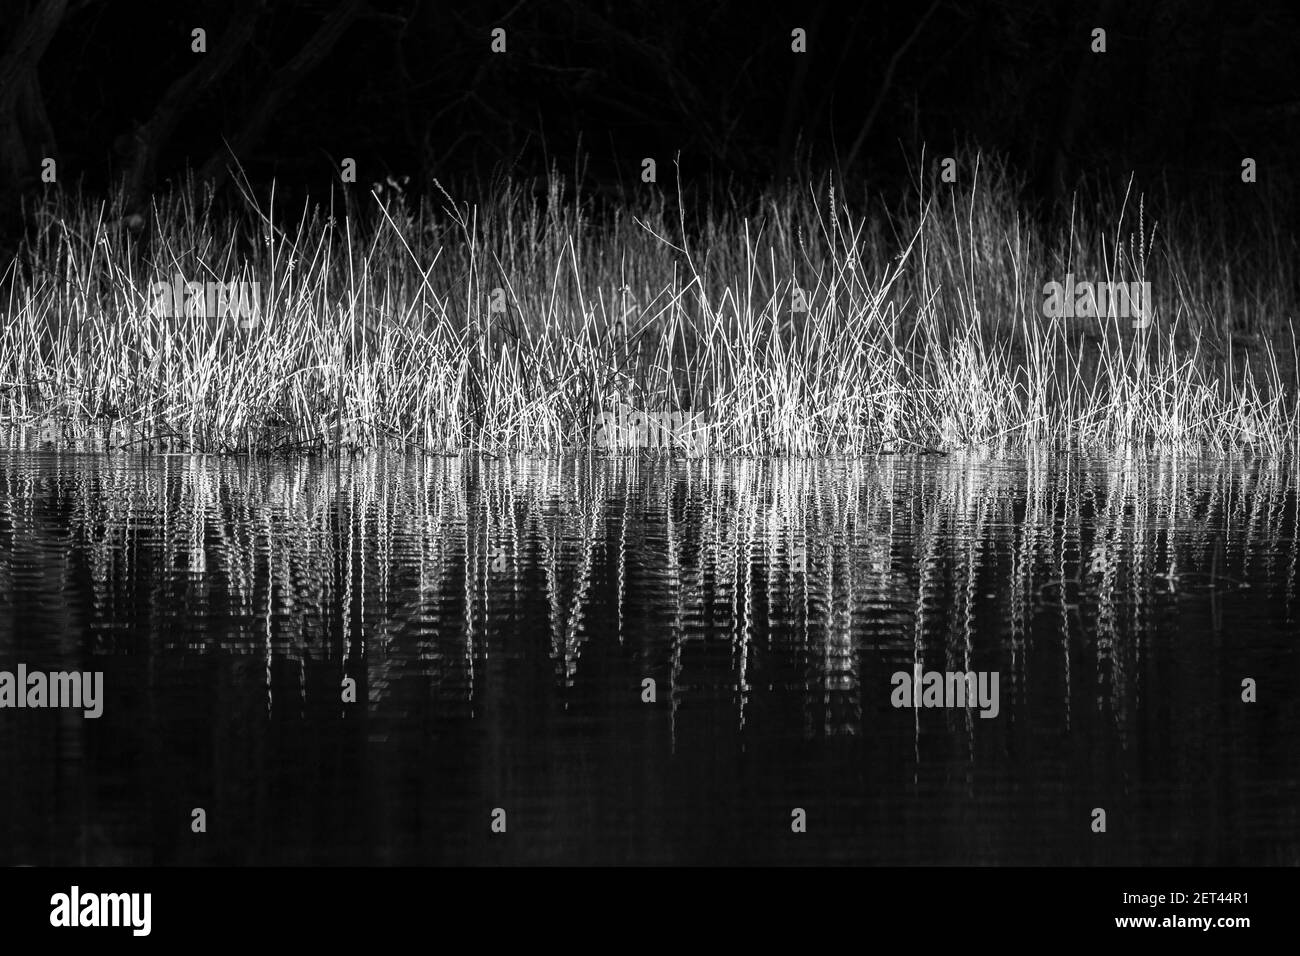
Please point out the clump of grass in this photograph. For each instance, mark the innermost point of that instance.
(795, 325)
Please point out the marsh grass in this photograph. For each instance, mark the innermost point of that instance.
(380, 325)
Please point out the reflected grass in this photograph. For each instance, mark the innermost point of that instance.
(817, 574)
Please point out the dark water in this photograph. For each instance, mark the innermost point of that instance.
(500, 617)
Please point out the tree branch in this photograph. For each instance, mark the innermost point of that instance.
(281, 86)
(884, 87)
(180, 96)
(27, 48)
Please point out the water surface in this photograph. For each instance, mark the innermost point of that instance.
(501, 618)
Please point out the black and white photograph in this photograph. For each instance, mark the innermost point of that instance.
(445, 438)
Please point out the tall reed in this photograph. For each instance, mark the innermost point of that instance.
(798, 324)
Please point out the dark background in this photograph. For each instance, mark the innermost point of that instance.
(111, 89)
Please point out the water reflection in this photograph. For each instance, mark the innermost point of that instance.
(501, 620)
